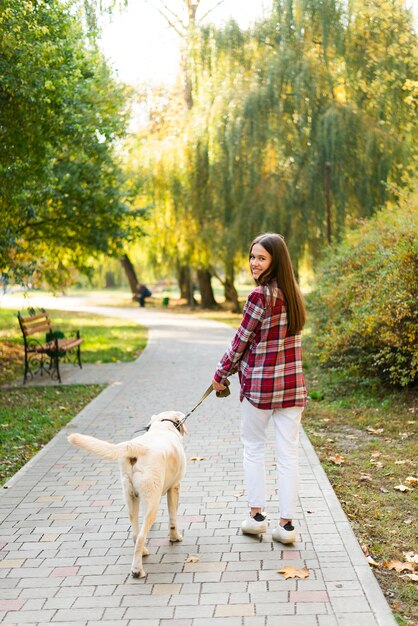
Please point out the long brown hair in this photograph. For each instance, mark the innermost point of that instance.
(281, 271)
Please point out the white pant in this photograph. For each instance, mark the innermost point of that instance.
(254, 422)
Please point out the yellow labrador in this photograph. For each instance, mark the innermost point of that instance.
(151, 466)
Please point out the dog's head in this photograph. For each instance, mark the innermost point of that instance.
(174, 417)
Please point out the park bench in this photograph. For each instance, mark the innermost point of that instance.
(43, 353)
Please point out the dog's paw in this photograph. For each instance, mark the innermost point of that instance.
(138, 574)
(175, 537)
(145, 551)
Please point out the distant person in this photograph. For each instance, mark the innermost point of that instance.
(266, 352)
(142, 292)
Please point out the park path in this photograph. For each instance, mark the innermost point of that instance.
(65, 545)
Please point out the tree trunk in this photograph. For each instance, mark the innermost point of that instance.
(130, 272)
(184, 277)
(206, 292)
(231, 294)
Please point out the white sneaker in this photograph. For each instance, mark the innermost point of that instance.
(284, 534)
(256, 525)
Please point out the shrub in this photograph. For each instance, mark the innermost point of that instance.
(365, 304)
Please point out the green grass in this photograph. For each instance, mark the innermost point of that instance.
(30, 417)
(106, 340)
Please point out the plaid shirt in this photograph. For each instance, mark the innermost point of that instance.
(268, 359)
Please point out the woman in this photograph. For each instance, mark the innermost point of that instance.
(266, 351)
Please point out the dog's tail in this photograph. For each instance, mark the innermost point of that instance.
(106, 450)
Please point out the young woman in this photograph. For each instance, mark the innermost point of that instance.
(266, 351)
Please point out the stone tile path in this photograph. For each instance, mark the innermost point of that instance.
(65, 544)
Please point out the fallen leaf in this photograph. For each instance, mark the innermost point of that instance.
(289, 571)
(365, 549)
(383, 490)
(411, 480)
(377, 464)
(402, 462)
(402, 488)
(408, 521)
(372, 562)
(196, 458)
(192, 559)
(398, 566)
(337, 459)
(374, 431)
(376, 453)
(410, 576)
(410, 556)
(365, 477)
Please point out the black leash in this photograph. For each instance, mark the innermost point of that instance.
(219, 394)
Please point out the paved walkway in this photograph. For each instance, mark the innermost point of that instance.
(65, 543)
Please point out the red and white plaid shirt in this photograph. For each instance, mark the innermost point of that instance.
(268, 359)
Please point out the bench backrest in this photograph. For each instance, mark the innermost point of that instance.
(34, 324)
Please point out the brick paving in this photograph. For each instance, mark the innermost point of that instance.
(65, 543)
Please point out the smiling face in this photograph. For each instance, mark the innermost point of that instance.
(260, 260)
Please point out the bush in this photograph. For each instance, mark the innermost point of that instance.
(365, 304)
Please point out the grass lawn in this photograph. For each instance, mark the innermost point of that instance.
(31, 416)
(106, 340)
(366, 439)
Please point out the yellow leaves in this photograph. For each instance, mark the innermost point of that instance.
(192, 559)
(289, 571)
(398, 566)
(410, 565)
(337, 459)
(374, 431)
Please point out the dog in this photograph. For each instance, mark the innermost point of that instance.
(151, 466)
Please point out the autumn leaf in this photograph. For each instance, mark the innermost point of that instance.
(192, 559)
(402, 488)
(372, 562)
(365, 477)
(413, 577)
(398, 566)
(411, 557)
(365, 549)
(374, 431)
(289, 571)
(337, 459)
(411, 480)
(376, 453)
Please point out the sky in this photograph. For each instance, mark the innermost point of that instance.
(141, 47)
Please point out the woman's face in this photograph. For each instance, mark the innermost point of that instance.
(260, 260)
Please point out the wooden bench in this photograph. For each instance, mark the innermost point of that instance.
(43, 354)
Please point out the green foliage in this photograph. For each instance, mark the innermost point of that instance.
(366, 297)
(63, 191)
(319, 81)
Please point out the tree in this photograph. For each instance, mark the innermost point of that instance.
(63, 194)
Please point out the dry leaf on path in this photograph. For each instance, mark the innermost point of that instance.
(289, 571)
(192, 559)
(398, 566)
(337, 459)
(372, 562)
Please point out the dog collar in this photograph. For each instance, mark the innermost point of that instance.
(175, 424)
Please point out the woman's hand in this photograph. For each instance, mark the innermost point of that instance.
(217, 386)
